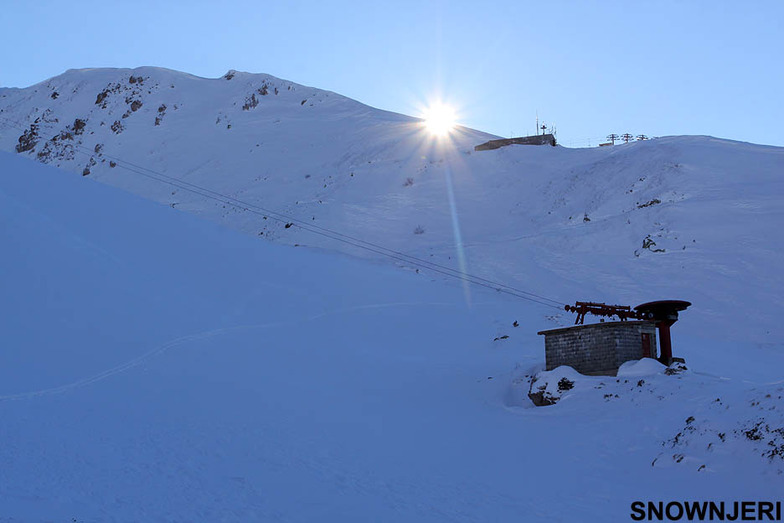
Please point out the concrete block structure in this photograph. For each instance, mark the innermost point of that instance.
(599, 348)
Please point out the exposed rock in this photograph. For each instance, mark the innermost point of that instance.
(101, 97)
(28, 140)
(57, 149)
(91, 163)
(250, 103)
(676, 368)
(655, 201)
(649, 244)
(548, 387)
(541, 398)
(78, 126)
(565, 384)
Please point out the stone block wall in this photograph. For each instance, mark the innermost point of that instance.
(598, 348)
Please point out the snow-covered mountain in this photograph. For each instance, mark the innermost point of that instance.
(158, 367)
(693, 218)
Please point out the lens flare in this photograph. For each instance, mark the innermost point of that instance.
(461, 258)
(439, 119)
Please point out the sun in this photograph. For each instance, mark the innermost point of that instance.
(440, 119)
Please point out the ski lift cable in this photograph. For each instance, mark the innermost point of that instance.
(310, 227)
(336, 236)
(290, 219)
(281, 217)
(315, 229)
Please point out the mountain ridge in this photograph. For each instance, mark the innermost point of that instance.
(675, 217)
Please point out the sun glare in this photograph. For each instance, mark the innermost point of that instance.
(439, 119)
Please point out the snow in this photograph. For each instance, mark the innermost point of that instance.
(687, 218)
(158, 365)
(637, 368)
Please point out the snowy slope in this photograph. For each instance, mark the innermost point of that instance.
(159, 367)
(690, 218)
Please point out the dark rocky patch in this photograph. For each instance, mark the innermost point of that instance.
(565, 384)
(655, 201)
(28, 140)
(78, 126)
(250, 102)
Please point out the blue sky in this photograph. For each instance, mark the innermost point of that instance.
(591, 68)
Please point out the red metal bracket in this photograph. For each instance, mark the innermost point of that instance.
(624, 312)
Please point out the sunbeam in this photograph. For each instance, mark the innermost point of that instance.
(461, 260)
